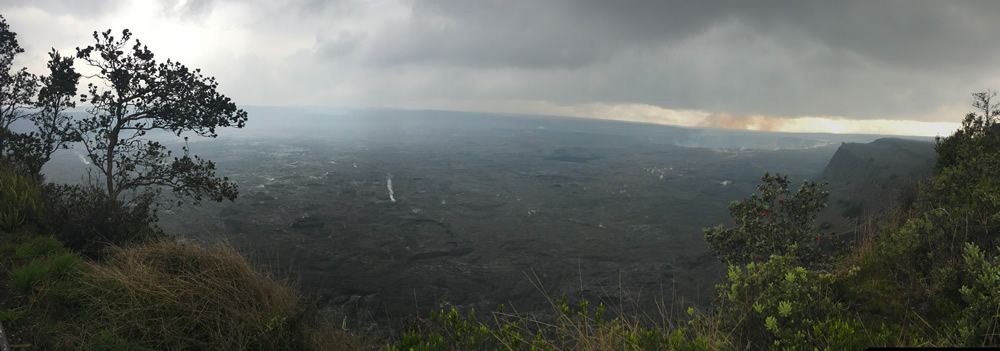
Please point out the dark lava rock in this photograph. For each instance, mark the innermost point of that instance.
(573, 154)
(262, 196)
(230, 212)
(459, 252)
(233, 225)
(306, 223)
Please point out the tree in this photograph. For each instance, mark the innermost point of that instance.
(771, 224)
(144, 95)
(54, 126)
(17, 88)
(977, 136)
(30, 151)
(964, 196)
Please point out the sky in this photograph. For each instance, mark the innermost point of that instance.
(883, 67)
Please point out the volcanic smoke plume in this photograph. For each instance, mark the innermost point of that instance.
(754, 122)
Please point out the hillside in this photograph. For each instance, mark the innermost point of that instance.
(869, 178)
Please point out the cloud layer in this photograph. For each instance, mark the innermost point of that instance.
(669, 61)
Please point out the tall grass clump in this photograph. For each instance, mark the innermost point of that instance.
(20, 197)
(168, 296)
(46, 263)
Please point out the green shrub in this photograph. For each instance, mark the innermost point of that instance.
(770, 223)
(38, 247)
(977, 324)
(780, 304)
(86, 221)
(965, 189)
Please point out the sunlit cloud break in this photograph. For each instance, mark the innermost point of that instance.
(644, 113)
(828, 125)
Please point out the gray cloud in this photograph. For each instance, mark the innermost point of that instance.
(564, 33)
(858, 59)
(344, 43)
(191, 10)
(916, 59)
(72, 8)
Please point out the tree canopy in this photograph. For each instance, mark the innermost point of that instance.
(771, 224)
(17, 86)
(29, 151)
(141, 95)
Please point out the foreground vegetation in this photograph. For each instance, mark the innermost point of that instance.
(161, 295)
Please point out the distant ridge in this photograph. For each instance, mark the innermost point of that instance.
(866, 179)
(342, 123)
(860, 161)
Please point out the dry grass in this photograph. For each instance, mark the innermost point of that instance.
(865, 234)
(168, 296)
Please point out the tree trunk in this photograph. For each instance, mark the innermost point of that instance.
(110, 166)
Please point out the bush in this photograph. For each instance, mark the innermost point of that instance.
(965, 187)
(977, 323)
(771, 223)
(780, 304)
(87, 221)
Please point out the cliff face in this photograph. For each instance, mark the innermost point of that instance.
(867, 179)
(909, 159)
(846, 163)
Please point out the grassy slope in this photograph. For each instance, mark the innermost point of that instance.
(159, 296)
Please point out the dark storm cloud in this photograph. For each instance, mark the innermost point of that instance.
(567, 33)
(535, 34)
(861, 59)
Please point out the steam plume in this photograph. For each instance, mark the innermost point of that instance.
(388, 185)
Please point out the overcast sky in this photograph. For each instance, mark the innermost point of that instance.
(901, 67)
